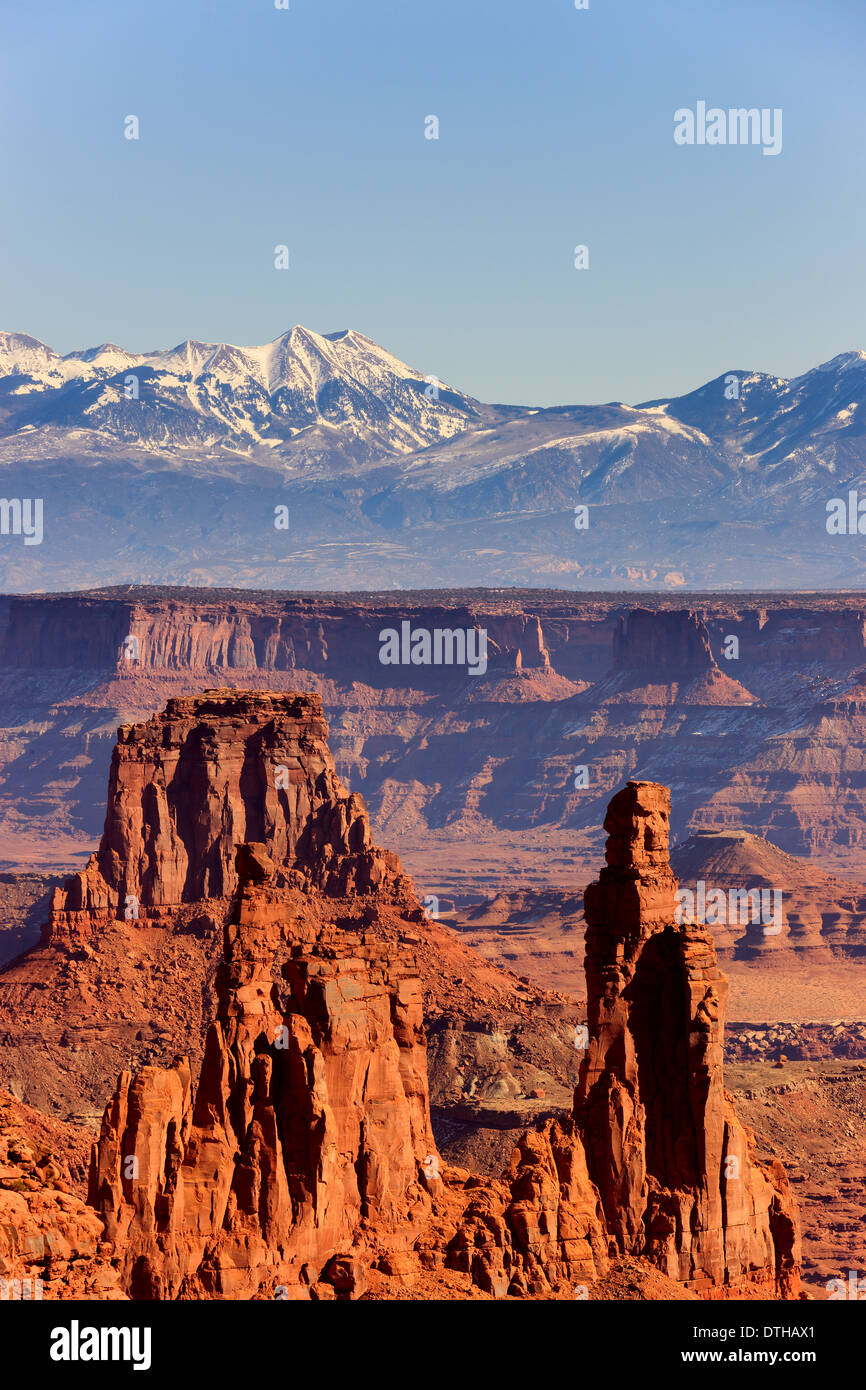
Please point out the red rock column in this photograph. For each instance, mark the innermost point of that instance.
(673, 1165)
(633, 898)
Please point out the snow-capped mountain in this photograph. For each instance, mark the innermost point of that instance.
(770, 418)
(316, 391)
(323, 461)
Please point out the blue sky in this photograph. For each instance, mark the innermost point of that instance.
(306, 128)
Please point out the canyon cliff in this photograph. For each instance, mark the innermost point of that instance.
(751, 704)
(295, 1157)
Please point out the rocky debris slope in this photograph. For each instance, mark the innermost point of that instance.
(795, 1042)
(812, 1115)
(52, 1244)
(819, 915)
(74, 1013)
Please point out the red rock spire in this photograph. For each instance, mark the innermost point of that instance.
(673, 1165)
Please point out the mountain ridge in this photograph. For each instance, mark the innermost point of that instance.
(299, 379)
(300, 355)
(322, 461)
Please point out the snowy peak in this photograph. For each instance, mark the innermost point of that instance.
(220, 395)
(21, 355)
(103, 355)
(297, 352)
(340, 398)
(842, 362)
(301, 356)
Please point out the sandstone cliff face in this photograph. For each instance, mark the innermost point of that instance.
(247, 633)
(667, 658)
(309, 1125)
(772, 741)
(675, 642)
(209, 773)
(672, 1163)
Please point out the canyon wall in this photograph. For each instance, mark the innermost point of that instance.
(582, 634)
(753, 705)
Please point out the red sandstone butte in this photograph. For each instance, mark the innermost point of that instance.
(210, 772)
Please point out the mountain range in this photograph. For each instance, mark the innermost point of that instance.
(323, 461)
(319, 391)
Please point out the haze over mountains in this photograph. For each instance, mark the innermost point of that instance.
(173, 466)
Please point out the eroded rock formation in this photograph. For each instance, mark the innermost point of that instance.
(300, 1162)
(672, 1162)
(210, 772)
(308, 1127)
